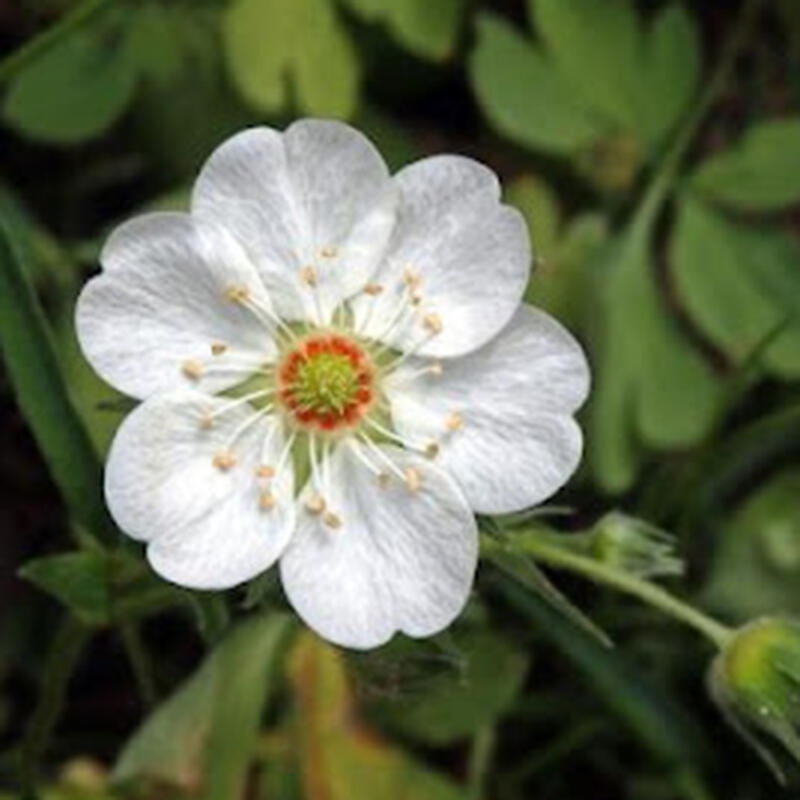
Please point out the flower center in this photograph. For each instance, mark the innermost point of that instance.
(326, 382)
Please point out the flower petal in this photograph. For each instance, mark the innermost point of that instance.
(207, 527)
(400, 560)
(501, 415)
(470, 254)
(160, 303)
(318, 196)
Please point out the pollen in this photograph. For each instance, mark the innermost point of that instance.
(373, 289)
(454, 422)
(315, 504)
(224, 461)
(412, 478)
(264, 471)
(266, 501)
(308, 276)
(236, 294)
(332, 520)
(218, 348)
(192, 369)
(433, 323)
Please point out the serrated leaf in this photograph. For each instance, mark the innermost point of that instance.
(78, 580)
(484, 675)
(277, 48)
(204, 735)
(597, 47)
(426, 29)
(673, 70)
(760, 172)
(739, 285)
(75, 90)
(524, 96)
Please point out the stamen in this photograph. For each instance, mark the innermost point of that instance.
(308, 276)
(315, 504)
(395, 437)
(224, 461)
(411, 277)
(373, 289)
(413, 479)
(236, 294)
(375, 450)
(454, 422)
(192, 369)
(264, 471)
(266, 501)
(432, 449)
(433, 323)
(218, 348)
(242, 296)
(329, 252)
(332, 520)
(207, 420)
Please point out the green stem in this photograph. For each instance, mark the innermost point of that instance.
(480, 761)
(62, 659)
(665, 176)
(650, 593)
(45, 40)
(140, 663)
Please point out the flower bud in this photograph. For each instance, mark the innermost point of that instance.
(634, 546)
(756, 682)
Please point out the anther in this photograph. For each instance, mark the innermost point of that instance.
(192, 369)
(383, 479)
(332, 520)
(206, 421)
(436, 368)
(415, 297)
(218, 348)
(454, 422)
(315, 504)
(329, 252)
(266, 501)
(432, 322)
(373, 289)
(308, 276)
(412, 478)
(411, 277)
(236, 294)
(432, 449)
(224, 461)
(264, 471)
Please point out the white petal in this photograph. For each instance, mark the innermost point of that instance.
(160, 302)
(518, 443)
(401, 560)
(205, 526)
(471, 253)
(317, 196)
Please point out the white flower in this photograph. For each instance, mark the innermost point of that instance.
(392, 377)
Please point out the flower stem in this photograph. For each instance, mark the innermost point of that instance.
(480, 761)
(560, 558)
(140, 663)
(45, 40)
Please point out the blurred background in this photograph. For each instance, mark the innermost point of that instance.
(654, 148)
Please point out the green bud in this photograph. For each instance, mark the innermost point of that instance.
(634, 546)
(756, 682)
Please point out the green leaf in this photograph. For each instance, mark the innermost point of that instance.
(654, 718)
(756, 564)
(75, 90)
(43, 397)
(486, 674)
(523, 94)
(758, 174)
(277, 49)
(597, 46)
(673, 58)
(739, 284)
(428, 30)
(79, 580)
(539, 205)
(205, 733)
(152, 42)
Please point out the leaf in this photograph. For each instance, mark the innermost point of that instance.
(652, 716)
(339, 758)
(539, 205)
(78, 580)
(760, 172)
(756, 566)
(152, 42)
(205, 733)
(428, 30)
(672, 75)
(485, 675)
(75, 90)
(739, 284)
(597, 47)
(276, 47)
(517, 564)
(523, 94)
(43, 397)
